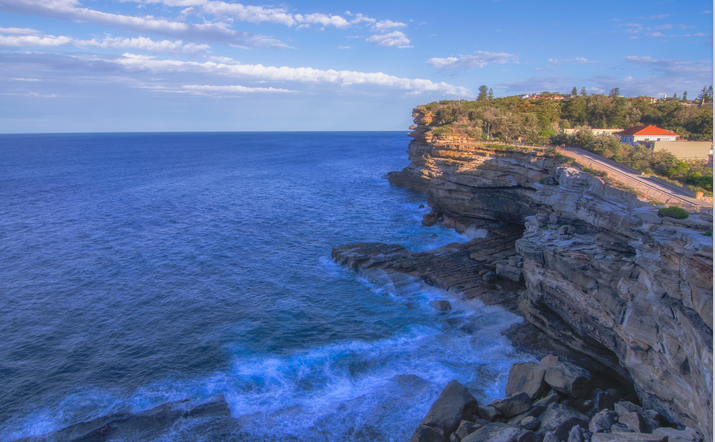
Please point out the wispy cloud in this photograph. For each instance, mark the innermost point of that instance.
(570, 60)
(141, 43)
(206, 32)
(654, 17)
(478, 60)
(259, 72)
(384, 25)
(395, 39)
(208, 89)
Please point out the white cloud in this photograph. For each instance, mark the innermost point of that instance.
(655, 34)
(344, 47)
(142, 43)
(203, 89)
(662, 27)
(18, 31)
(68, 10)
(480, 59)
(393, 39)
(359, 18)
(259, 72)
(27, 79)
(384, 25)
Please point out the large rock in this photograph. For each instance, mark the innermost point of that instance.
(513, 405)
(526, 377)
(687, 435)
(424, 433)
(559, 419)
(602, 421)
(568, 378)
(455, 404)
(498, 432)
(627, 437)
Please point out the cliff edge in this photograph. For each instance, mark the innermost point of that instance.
(603, 273)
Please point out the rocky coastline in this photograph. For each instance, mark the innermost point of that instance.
(599, 277)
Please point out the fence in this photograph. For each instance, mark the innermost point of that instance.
(650, 191)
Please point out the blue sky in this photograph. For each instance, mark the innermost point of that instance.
(218, 65)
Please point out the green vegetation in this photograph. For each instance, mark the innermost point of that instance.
(708, 234)
(538, 121)
(673, 212)
(595, 172)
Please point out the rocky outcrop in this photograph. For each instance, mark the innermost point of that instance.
(576, 416)
(603, 273)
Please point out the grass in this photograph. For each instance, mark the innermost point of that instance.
(595, 172)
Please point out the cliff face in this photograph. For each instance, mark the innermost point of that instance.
(604, 274)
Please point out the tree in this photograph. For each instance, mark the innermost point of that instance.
(675, 96)
(491, 94)
(685, 95)
(574, 91)
(583, 91)
(706, 95)
(615, 92)
(482, 93)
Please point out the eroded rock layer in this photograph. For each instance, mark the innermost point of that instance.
(604, 274)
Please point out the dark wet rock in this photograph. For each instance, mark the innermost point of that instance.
(489, 276)
(548, 399)
(686, 435)
(576, 434)
(454, 404)
(466, 427)
(559, 419)
(627, 437)
(488, 412)
(550, 437)
(441, 305)
(568, 378)
(424, 433)
(602, 421)
(620, 428)
(526, 377)
(530, 423)
(603, 399)
(513, 405)
(502, 433)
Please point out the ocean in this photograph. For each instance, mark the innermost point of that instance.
(141, 269)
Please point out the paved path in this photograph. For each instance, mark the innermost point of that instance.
(662, 193)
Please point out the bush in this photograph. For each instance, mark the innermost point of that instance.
(673, 212)
(441, 130)
(595, 172)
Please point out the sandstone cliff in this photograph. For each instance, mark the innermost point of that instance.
(604, 274)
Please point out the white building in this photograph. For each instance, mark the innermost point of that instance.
(642, 134)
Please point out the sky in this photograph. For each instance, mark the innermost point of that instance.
(219, 65)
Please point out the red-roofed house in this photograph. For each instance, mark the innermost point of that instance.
(642, 134)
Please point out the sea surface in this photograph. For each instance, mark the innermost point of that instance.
(141, 269)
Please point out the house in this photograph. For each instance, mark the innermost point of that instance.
(641, 134)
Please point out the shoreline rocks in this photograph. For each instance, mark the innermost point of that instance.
(574, 415)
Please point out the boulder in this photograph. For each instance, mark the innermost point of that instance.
(489, 276)
(530, 423)
(632, 420)
(455, 404)
(509, 272)
(513, 405)
(603, 399)
(620, 428)
(550, 437)
(687, 435)
(466, 428)
(602, 421)
(526, 377)
(488, 412)
(575, 434)
(502, 433)
(441, 305)
(627, 437)
(559, 419)
(547, 400)
(427, 434)
(568, 379)
(549, 360)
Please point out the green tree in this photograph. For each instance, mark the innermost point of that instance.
(574, 91)
(615, 92)
(706, 95)
(583, 91)
(491, 94)
(685, 95)
(482, 93)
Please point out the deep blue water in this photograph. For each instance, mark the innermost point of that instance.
(139, 269)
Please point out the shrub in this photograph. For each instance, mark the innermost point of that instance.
(595, 172)
(441, 130)
(673, 212)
